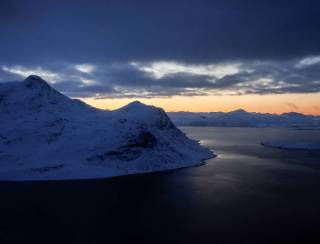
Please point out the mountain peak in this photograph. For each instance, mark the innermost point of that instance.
(135, 105)
(239, 111)
(34, 81)
(294, 114)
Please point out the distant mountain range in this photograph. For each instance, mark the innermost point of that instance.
(242, 118)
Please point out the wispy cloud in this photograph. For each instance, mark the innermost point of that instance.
(24, 71)
(85, 68)
(292, 105)
(161, 69)
(308, 61)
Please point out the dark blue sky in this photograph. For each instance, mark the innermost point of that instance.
(276, 43)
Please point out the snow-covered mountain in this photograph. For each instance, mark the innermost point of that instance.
(242, 118)
(46, 135)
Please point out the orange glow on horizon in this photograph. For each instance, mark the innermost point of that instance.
(282, 103)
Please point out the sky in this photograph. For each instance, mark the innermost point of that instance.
(217, 55)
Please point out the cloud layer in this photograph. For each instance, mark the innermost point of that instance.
(121, 48)
(115, 80)
(196, 31)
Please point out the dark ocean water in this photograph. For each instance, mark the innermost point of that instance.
(248, 194)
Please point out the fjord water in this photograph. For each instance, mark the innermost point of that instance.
(247, 194)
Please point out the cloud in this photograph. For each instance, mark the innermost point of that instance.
(85, 68)
(308, 61)
(161, 69)
(34, 32)
(144, 80)
(6, 76)
(145, 49)
(23, 72)
(292, 105)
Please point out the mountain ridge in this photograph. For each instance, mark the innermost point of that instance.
(242, 118)
(45, 135)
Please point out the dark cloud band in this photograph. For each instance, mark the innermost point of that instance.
(205, 31)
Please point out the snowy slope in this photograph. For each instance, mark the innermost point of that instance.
(46, 135)
(241, 118)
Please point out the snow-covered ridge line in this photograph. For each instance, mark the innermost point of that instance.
(242, 118)
(45, 135)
